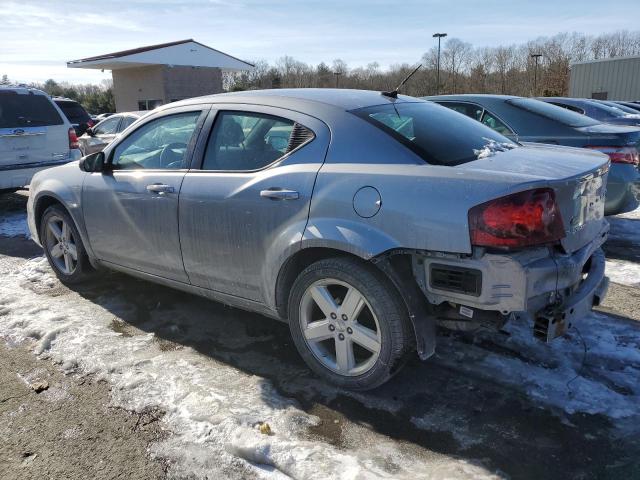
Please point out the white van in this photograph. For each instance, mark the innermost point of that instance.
(34, 135)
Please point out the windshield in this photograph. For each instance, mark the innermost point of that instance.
(26, 110)
(559, 114)
(437, 134)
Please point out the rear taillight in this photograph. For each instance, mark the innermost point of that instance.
(519, 220)
(627, 154)
(73, 139)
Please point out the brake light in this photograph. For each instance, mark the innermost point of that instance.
(628, 154)
(73, 139)
(519, 220)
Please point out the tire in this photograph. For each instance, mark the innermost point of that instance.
(381, 327)
(64, 245)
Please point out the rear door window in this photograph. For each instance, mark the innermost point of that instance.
(435, 133)
(246, 141)
(496, 124)
(468, 109)
(27, 110)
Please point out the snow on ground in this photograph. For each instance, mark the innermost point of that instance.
(626, 273)
(604, 381)
(14, 225)
(213, 409)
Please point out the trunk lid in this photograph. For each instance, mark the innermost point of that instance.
(578, 177)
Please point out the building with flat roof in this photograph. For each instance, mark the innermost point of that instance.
(606, 79)
(146, 77)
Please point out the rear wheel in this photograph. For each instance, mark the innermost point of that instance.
(63, 246)
(348, 323)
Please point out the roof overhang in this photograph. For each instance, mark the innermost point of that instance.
(182, 53)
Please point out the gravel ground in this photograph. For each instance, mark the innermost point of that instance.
(457, 410)
(68, 430)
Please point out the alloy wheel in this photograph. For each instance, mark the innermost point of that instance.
(340, 327)
(61, 244)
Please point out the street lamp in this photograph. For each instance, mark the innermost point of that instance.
(337, 74)
(438, 36)
(536, 56)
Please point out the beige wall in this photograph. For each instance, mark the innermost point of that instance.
(619, 78)
(140, 83)
(160, 82)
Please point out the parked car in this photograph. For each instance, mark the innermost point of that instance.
(76, 114)
(98, 137)
(632, 105)
(102, 116)
(530, 120)
(595, 110)
(619, 106)
(381, 216)
(34, 134)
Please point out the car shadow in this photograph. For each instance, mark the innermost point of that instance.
(435, 406)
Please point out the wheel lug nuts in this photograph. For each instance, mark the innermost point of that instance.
(349, 331)
(344, 317)
(332, 327)
(341, 336)
(334, 316)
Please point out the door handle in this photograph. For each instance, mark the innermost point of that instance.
(160, 188)
(280, 194)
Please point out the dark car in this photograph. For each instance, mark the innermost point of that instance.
(77, 115)
(632, 105)
(530, 120)
(595, 110)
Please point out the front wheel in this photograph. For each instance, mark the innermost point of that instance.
(63, 246)
(349, 323)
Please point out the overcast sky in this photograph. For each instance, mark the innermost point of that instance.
(38, 37)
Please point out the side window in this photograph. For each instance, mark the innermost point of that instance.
(492, 122)
(468, 109)
(159, 144)
(107, 127)
(242, 141)
(126, 121)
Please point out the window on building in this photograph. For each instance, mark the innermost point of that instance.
(148, 104)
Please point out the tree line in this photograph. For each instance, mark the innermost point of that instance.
(463, 68)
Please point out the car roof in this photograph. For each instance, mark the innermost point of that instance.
(304, 98)
(470, 96)
(23, 88)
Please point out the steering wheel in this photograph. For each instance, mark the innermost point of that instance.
(167, 152)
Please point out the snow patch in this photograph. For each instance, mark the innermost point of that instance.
(626, 273)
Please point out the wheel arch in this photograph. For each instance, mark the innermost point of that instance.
(395, 265)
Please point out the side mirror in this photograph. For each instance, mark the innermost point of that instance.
(89, 131)
(93, 163)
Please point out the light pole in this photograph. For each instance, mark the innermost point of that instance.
(439, 36)
(535, 56)
(337, 74)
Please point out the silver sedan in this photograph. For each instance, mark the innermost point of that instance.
(361, 219)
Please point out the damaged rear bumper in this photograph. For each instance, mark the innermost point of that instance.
(550, 289)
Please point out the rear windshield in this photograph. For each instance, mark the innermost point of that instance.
(610, 111)
(26, 110)
(559, 114)
(74, 112)
(437, 134)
